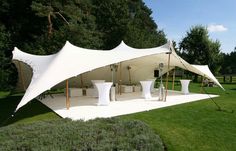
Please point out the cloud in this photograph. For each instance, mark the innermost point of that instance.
(216, 28)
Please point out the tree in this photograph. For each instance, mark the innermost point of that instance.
(66, 20)
(197, 48)
(228, 63)
(128, 20)
(7, 69)
(142, 31)
(42, 26)
(20, 20)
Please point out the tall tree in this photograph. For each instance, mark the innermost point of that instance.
(7, 69)
(228, 63)
(20, 20)
(197, 48)
(128, 20)
(43, 26)
(67, 20)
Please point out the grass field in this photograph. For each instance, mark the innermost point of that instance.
(187, 127)
(196, 126)
(33, 111)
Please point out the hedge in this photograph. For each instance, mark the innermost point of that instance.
(65, 135)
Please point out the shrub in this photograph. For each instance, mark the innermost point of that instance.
(95, 135)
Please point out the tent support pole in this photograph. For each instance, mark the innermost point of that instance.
(201, 90)
(81, 81)
(129, 77)
(21, 76)
(117, 81)
(120, 81)
(167, 75)
(173, 80)
(67, 95)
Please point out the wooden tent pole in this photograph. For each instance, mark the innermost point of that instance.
(201, 90)
(117, 75)
(81, 80)
(120, 81)
(173, 80)
(21, 76)
(167, 75)
(129, 77)
(67, 95)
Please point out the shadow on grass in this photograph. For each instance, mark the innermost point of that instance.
(8, 106)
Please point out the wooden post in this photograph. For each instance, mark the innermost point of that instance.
(201, 90)
(129, 77)
(21, 76)
(167, 75)
(81, 81)
(173, 80)
(67, 95)
(120, 81)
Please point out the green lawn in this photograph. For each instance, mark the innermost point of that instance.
(33, 111)
(196, 126)
(192, 126)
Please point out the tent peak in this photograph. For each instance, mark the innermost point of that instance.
(67, 42)
(15, 52)
(123, 43)
(15, 49)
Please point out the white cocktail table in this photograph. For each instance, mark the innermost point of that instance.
(103, 92)
(184, 86)
(96, 81)
(94, 92)
(153, 83)
(146, 89)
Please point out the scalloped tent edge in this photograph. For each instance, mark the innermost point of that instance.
(70, 61)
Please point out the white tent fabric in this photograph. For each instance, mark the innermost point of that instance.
(205, 72)
(71, 61)
(202, 70)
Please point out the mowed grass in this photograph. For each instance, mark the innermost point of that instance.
(196, 126)
(31, 112)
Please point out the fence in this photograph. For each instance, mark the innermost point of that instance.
(227, 78)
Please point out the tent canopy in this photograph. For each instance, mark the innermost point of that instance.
(71, 61)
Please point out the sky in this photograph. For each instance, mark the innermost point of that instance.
(176, 17)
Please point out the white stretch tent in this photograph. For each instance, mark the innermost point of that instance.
(71, 61)
(203, 70)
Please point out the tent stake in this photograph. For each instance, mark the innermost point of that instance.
(167, 76)
(173, 80)
(67, 95)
